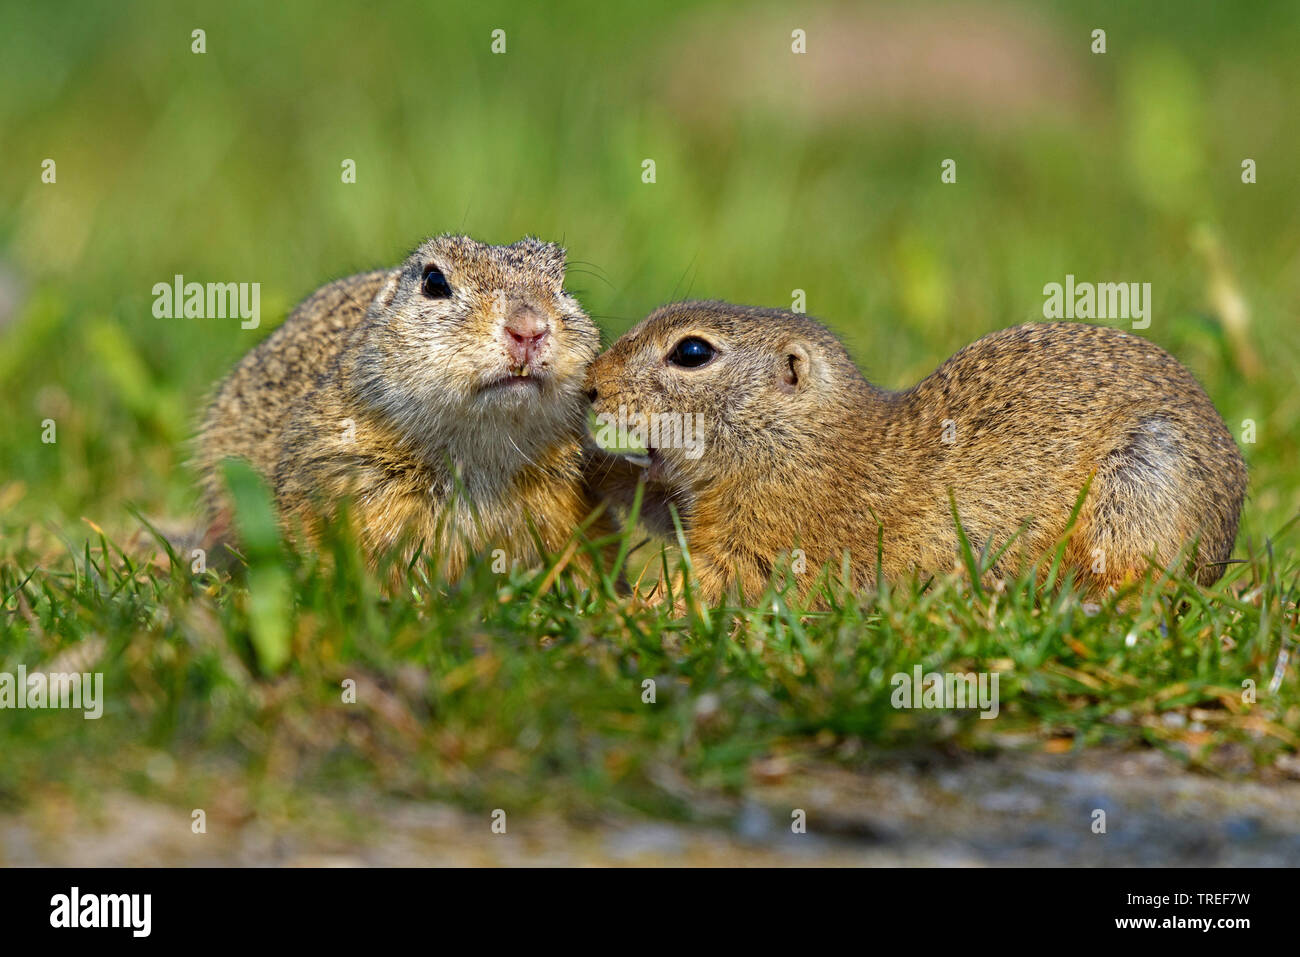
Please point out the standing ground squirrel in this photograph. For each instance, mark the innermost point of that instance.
(800, 451)
(443, 398)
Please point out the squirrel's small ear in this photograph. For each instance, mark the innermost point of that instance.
(796, 364)
(384, 298)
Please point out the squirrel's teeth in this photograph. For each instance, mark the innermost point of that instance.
(523, 370)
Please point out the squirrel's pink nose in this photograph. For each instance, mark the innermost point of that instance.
(526, 331)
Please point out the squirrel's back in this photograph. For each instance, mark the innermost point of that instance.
(254, 402)
(1027, 415)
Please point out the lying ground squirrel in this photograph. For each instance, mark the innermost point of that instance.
(444, 398)
(800, 451)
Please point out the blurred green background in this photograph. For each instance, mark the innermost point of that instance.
(775, 172)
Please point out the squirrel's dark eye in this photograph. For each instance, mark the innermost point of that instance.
(435, 284)
(691, 352)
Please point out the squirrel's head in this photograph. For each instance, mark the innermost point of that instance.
(722, 392)
(464, 332)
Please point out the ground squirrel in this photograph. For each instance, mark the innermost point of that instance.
(454, 379)
(801, 451)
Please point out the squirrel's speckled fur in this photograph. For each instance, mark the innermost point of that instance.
(406, 405)
(802, 452)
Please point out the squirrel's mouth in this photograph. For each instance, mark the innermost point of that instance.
(522, 379)
(650, 460)
(644, 459)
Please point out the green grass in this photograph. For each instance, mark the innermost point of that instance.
(529, 688)
(225, 166)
